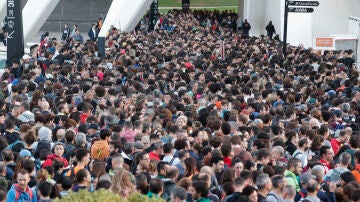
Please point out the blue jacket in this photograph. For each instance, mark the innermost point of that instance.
(17, 195)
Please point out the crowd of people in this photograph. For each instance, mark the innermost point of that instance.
(196, 110)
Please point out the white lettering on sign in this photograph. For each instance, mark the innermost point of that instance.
(11, 35)
(11, 24)
(11, 3)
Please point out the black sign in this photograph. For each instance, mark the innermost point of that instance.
(301, 10)
(154, 11)
(304, 3)
(15, 38)
(185, 5)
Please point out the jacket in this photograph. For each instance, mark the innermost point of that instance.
(129, 135)
(17, 195)
(51, 158)
(292, 179)
(100, 149)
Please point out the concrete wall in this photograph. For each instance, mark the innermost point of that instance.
(330, 17)
(81, 12)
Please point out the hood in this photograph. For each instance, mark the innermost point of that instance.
(100, 149)
(52, 156)
(44, 134)
(26, 116)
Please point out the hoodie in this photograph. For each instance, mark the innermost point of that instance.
(129, 135)
(100, 149)
(26, 116)
(51, 158)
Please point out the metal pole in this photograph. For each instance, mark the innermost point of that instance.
(285, 25)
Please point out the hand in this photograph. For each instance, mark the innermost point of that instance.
(332, 186)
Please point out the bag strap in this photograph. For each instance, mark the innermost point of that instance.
(172, 160)
(271, 194)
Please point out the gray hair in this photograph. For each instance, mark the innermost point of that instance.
(276, 180)
(262, 180)
(279, 150)
(179, 192)
(290, 190)
(80, 139)
(158, 144)
(234, 125)
(345, 158)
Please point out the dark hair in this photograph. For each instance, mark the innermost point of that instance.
(104, 133)
(201, 188)
(347, 177)
(44, 188)
(81, 176)
(247, 191)
(156, 185)
(323, 150)
(81, 153)
(103, 184)
(190, 165)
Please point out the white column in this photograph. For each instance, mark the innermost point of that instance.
(3, 10)
(114, 17)
(35, 14)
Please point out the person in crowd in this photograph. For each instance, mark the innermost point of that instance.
(195, 104)
(270, 30)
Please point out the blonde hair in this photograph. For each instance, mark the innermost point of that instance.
(121, 183)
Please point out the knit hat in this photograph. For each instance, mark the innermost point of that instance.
(138, 145)
(24, 153)
(59, 143)
(44, 133)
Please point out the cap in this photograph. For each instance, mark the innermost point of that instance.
(24, 153)
(138, 145)
(306, 177)
(59, 143)
(25, 57)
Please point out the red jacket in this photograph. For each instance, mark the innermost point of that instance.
(336, 145)
(152, 156)
(52, 157)
(227, 161)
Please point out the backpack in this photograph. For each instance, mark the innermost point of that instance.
(339, 127)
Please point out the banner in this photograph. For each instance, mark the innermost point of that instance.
(15, 38)
(185, 5)
(154, 10)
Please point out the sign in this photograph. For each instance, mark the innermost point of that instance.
(14, 28)
(154, 11)
(185, 5)
(304, 3)
(300, 10)
(327, 43)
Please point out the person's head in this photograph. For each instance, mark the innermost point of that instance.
(240, 183)
(158, 147)
(251, 193)
(117, 161)
(199, 189)
(312, 186)
(345, 159)
(294, 165)
(162, 168)
(83, 156)
(83, 177)
(277, 152)
(278, 182)
(238, 166)
(59, 149)
(344, 136)
(263, 182)
(303, 143)
(156, 186)
(178, 194)
(44, 189)
(121, 181)
(263, 156)
(326, 153)
(289, 192)
(217, 163)
(346, 177)
(105, 134)
(23, 178)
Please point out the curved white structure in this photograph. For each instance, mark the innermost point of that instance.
(34, 14)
